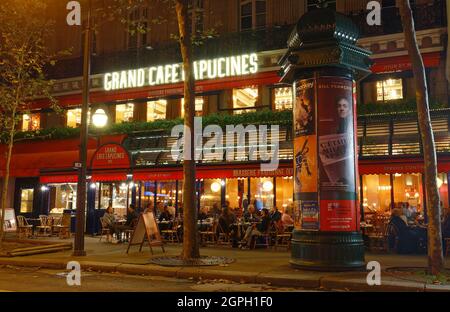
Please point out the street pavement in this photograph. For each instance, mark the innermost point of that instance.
(261, 267)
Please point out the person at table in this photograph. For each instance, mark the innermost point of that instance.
(215, 211)
(286, 220)
(202, 215)
(227, 226)
(149, 207)
(256, 229)
(109, 219)
(165, 215)
(407, 238)
(274, 214)
(251, 215)
(132, 216)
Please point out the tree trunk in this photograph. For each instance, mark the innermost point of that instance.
(6, 182)
(435, 257)
(190, 235)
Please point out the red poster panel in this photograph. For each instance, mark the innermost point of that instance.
(337, 154)
(110, 156)
(338, 215)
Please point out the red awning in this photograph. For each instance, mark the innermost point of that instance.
(58, 179)
(109, 176)
(403, 63)
(399, 165)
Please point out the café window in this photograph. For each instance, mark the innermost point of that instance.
(252, 14)
(389, 90)
(377, 193)
(124, 112)
(74, 118)
(408, 191)
(198, 106)
(282, 98)
(211, 191)
(62, 196)
(156, 110)
(244, 100)
(312, 4)
(26, 200)
(31, 122)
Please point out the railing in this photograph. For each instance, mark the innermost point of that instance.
(426, 16)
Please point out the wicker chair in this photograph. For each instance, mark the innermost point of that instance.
(171, 234)
(24, 230)
(282, 238)
(64, 226)
(45, 227)
(209, 235)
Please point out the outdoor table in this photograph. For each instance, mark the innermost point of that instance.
(164, 225)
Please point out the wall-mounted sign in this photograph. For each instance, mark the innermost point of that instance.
(110, 156)
(221, 67)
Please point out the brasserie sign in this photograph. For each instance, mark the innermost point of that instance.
(221, 67)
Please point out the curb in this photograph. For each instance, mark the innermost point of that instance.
(351, 283)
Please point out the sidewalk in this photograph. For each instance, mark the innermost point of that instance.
(250, 266)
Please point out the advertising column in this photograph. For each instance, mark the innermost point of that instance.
(325, 175)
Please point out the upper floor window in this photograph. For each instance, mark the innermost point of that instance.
(31, 122)
(74, 117)
(156, 110)
(252, 14)
(196, 13)
(312, 4)
(124, 112)
(138, 24)
(389, 90)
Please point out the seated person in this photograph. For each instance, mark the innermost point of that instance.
(251, 215)
(286, 220)
(274, 214)
(109, 219)
(407, 238)
(132, 216)
(256, 229)
(149, 207)
(226, 224)
(165, 215)
(202, 215)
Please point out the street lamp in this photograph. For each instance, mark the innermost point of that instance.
(99, 119)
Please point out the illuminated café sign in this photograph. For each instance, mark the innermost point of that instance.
(110, 156)
(166, 74)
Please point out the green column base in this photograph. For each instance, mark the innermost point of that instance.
(327, 251)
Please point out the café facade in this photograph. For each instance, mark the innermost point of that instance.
(138, 167)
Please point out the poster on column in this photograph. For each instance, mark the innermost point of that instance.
(304, 108)
(305, 157)
(337, 173)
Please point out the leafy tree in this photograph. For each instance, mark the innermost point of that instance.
(24, 31)
(435, 257)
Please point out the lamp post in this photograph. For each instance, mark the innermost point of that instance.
(81, 187)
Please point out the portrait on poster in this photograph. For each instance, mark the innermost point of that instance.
(304, 112)
(336, 135)
(310, 215)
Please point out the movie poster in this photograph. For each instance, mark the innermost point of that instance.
(304, 108)
(336, 148)
(305, 157)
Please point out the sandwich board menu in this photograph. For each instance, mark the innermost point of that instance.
(146, 229)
